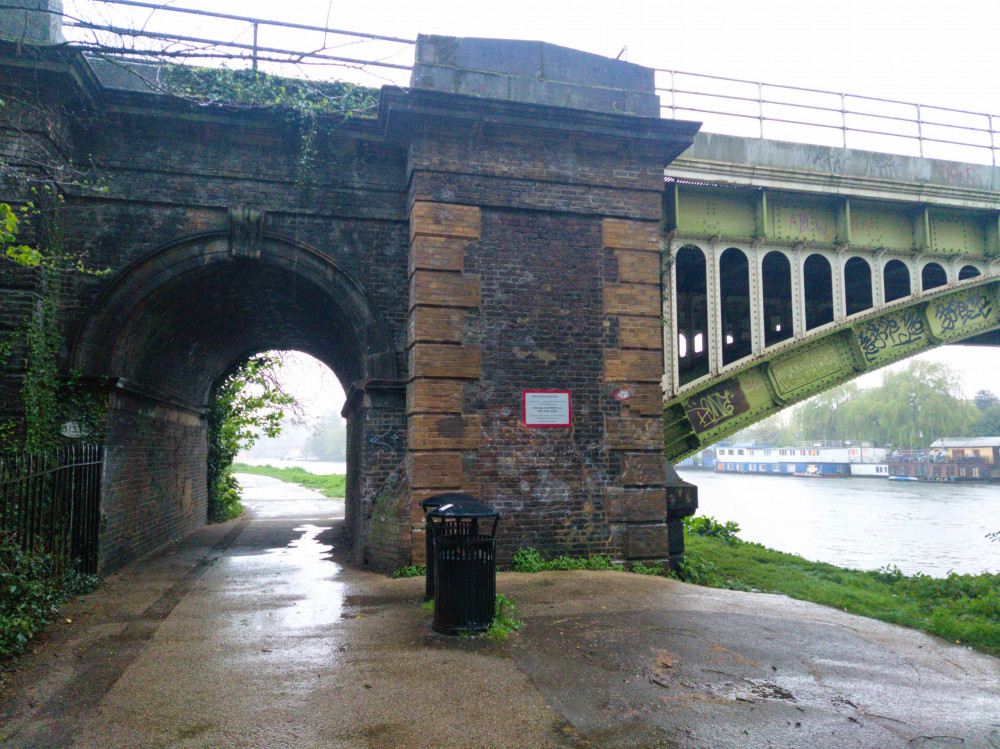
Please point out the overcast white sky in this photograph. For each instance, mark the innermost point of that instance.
(942, 54)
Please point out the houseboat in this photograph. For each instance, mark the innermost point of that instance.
(949, 459)
(813, 461)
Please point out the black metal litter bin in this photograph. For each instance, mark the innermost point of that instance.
(452, 527)
(464, 538)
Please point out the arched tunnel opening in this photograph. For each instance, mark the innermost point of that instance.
(169, 327)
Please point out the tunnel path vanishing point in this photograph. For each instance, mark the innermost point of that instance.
(253, 634)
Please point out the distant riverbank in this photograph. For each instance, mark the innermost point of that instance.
(320, 467)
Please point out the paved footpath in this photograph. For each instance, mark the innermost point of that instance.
(255, 634)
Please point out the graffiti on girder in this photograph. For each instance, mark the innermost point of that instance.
(719, 403)
(954, 314)
(875, 336)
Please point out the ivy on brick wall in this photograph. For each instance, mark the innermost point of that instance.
(50, 397)
(308, 105)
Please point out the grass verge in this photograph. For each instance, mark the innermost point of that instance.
(330, 485)
(963, 609)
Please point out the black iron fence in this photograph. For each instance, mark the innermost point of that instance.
(50, 502)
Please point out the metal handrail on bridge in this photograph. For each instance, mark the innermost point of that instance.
(727, 105)
(855, 120)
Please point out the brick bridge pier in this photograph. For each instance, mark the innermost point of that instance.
(496, 229)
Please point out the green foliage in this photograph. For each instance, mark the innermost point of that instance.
(960, 608)
(529, 560)
(21, 254)
(303, 102)
(328, 440)
(410, 570)
(251, 88)
(32, 590)
(332, 485)
(914, 406)
(506, 620)
(50, 398)
(646, 569)
(704, 525)
(244, 404)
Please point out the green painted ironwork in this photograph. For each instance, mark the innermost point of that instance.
(790, 373)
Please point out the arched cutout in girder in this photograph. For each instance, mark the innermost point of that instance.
(932, 276)
(895, 281)
(776, 277)
(692, 313)
(857, 285)
(817, 278)
(734, 303)
(968, 271)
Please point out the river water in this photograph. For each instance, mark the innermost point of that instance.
(854, 522)
(861, 523)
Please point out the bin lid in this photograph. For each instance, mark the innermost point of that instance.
(445, 498)
(464, 509)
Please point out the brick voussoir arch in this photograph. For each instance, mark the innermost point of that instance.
(113, 331)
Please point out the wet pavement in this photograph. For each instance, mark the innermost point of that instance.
(255, 633)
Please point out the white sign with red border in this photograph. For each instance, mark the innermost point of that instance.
(547, 408)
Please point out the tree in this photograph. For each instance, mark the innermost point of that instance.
(328, 440)
(245, 404)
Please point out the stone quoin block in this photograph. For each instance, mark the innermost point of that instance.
(443, 432)
(640, 332)
(632, 365)
(434, 396)
(625, 433)
(631, 235)
(437, 253)
(435, 325)
(434, 470)
(444, 220)
(437, 288)
(647, 541)
(632, 299)
(635, 505)
(443, 360)
(645, 399)
(636, 266)
(643, 469)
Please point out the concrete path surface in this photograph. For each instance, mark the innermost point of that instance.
(255, 634)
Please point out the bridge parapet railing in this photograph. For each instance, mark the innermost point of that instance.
(732, 106)
(735, 106)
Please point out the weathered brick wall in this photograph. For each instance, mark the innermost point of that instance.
(154, 486)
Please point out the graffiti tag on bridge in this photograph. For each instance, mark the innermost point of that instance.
(719, 403)
(875, 336)
(954, 313)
